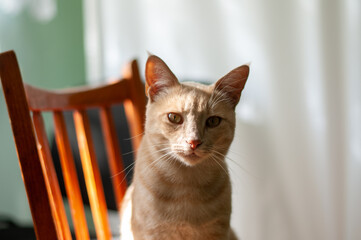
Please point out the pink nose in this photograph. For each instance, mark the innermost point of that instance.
(194, 143)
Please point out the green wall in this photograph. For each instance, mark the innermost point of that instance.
(51, 55)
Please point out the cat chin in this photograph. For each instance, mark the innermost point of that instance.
(190, 160)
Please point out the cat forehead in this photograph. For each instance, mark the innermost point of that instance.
(186, 97)
(199, 86)
(192, 96)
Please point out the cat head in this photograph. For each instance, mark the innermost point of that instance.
(191, 122)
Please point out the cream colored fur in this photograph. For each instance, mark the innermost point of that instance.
(179, 192)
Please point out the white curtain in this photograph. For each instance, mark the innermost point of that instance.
(297, 152)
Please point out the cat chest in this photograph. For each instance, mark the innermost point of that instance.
(184, 203)
(213, 230)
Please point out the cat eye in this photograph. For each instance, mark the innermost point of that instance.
(175, 118)
(213, 121)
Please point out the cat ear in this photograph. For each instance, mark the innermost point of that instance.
(158, 77)
(233, 83)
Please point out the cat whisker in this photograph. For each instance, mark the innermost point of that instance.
(228, 158)
(161, 158)
(153, 152)
(127, 153)
(216, 161)
(131, 166)
(244, 156)
(125, 169)
(234, 173)
(150, 147)
(125, 177)
(163, 144)
(159, 150)
(139, 135)
(236, 163)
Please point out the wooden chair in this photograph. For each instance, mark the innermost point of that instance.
(25, 104)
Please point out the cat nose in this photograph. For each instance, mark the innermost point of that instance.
(194, 143)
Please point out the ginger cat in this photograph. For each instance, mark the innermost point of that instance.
(181, 187)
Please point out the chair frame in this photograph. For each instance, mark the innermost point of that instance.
(34, 155)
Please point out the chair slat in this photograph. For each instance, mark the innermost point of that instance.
(25, 143)
(52, 185)
(70, 177)
(114, 155)
(135, 106)
(92, 175)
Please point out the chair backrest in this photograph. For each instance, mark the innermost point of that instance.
(25, 104)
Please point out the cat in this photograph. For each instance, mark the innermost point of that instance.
(181, 187)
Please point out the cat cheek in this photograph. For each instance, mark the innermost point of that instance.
(172, 128)
(222, 136)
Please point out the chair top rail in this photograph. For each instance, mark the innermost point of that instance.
(77, 97)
